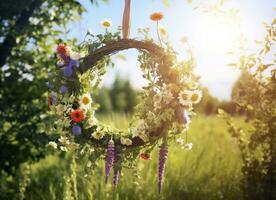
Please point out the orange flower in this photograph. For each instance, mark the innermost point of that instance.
(145, 156)
(77, 115)
(62, 49)
(156, 16)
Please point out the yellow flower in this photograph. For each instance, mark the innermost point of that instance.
(188, 97)
(106, 23)
(184, 98)
(196, 96)
(85, 101)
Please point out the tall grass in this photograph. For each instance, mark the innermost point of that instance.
(211, 170)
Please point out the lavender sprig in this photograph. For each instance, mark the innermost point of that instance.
(109, 159)
(163, 156)
(116, 168)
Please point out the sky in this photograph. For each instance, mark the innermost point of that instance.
(210, 36)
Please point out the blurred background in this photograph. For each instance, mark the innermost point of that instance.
(233, 42)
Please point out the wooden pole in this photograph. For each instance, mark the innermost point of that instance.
(126, 20)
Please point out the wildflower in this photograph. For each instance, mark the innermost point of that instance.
(63, 49)
(145, 156)
(116, 167)
(109, 159)
(126, 141)
(184, 98)
(76, 130)
(63, 52)
(68, 71)
(73, 63)
(77, 115)
(62, 148)
(53, 144)
(63, 140)
(63, 89)
(106, 23)
(156, 16)
(85, 100)
(196, 96)
(179, 141)
(91, 121)
(163, 156)
(98, 135)
(188, 146)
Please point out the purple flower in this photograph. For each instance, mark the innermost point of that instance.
(74, 63)
(183, 116)
(76, 130)
(109, 159)
(116, 168)
(163, 156)
(63, 89)
(68, 71)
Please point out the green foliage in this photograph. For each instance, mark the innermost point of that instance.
(29, 32)
(255, 93)
(204, 173)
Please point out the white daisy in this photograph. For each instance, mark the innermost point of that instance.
(188, 146)
(98, 135)
(184, 98)
(106, 23)
(85, 101)
(196, 96)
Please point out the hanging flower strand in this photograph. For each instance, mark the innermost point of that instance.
(116, 168)
(157, 16)
(109, 159)
(163, 156)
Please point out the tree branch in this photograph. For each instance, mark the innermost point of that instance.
(21, 23)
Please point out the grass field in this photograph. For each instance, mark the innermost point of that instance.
(211, 170)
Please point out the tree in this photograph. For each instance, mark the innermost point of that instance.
(29, 31)
(255, 93)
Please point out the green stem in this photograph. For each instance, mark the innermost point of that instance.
(159, 38)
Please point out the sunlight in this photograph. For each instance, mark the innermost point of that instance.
(216, 34)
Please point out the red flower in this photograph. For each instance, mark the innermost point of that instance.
(77, 115)
(145, 156)
(156, 16)
(50, 101)
(62, 49)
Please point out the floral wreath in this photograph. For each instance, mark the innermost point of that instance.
(162, 113)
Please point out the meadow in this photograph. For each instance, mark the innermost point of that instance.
(210, 170)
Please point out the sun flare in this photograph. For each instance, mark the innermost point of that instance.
(216, 34)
